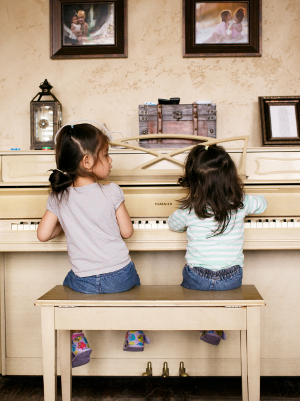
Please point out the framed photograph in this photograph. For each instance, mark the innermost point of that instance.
(221, 28)
(280, 120)
(88, 28)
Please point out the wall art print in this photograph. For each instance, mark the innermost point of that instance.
(88, 29)
(221, 28)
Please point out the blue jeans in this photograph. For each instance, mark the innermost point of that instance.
(107, 283)
(198, 278)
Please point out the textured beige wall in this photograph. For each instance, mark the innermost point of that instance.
(110, 90)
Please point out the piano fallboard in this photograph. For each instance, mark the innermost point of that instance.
(147, 201)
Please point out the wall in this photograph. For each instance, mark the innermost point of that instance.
(110, 90)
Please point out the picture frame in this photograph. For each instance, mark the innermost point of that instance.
(208, 31)
(82, 29)
(280, 120)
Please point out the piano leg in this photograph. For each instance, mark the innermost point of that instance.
(49, 343)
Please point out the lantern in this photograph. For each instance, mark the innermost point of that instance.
(45, 118)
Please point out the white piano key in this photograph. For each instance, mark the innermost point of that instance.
(26, 227)
(165, 225)
(290, 223)
(253, 224)
(14, 227)
(259, 224)
(148, 226)
(32, 227)
(135, 224)
(154, 225)
(272, 224)
(297, 223)
(247, 224)
(160, 225)
(266, 224)
(278, 223)
(142, 225)
(284, 224)
(20, 227)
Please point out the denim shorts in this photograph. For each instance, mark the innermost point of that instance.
(118, 281)
(198, 278)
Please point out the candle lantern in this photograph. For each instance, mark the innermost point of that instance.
(45, 118)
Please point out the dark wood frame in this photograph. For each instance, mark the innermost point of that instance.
(191, 49)
(265, 103)
(60, 51)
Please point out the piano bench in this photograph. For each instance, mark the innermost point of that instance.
(149, 307)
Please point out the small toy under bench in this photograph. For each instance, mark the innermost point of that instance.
(149, 307)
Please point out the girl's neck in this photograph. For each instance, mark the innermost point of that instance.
(83, 181)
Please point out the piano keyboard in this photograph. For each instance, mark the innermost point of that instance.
(152, 224)
(249, 223)
(24, 226)
(272, 223)
(153, 234)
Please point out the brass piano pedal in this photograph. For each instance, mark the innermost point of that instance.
(182, 370)
(165, 371)
(148, 370)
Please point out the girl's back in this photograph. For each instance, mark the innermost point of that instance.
(88, 218)
(215, 251)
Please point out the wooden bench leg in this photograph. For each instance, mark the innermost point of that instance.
(49, 344)
(244, 367)
(65, 364)
(253, 352)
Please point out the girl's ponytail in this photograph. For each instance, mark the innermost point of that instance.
(60, 181)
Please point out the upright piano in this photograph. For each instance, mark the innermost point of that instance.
(29, 268)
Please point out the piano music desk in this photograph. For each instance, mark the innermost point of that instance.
(149, 307)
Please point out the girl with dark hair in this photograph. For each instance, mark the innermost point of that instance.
(94, 219)
(220, 31)
(237, 27)
(213, 213)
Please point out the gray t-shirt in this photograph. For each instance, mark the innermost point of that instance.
(88, 218)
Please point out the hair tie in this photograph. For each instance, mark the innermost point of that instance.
(206, 147)
(63, 172)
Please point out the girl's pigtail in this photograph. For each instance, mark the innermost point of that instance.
(60, 181)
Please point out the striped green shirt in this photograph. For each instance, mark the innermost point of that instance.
(219, 251)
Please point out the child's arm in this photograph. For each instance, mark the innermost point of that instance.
(124, 221)
(49, 227)
(177, 221)
(255, 204)
(85, 29)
